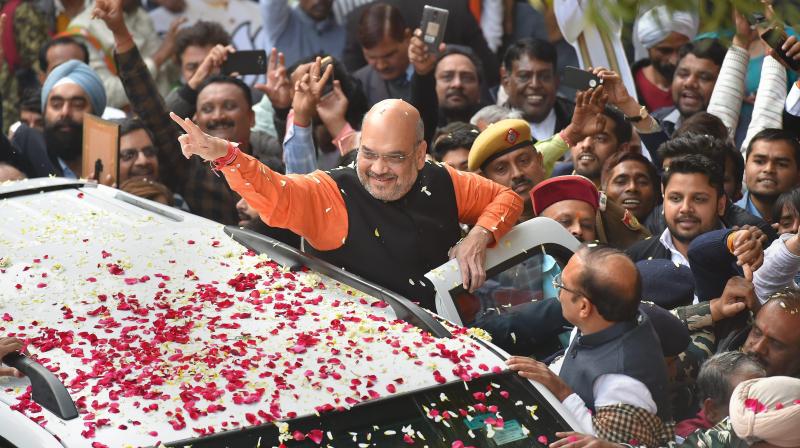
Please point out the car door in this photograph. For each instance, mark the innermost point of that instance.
(518, 270)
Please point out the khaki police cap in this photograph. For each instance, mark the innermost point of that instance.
(498, 139)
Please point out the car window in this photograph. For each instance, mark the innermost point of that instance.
(495, 410)
(525, 278)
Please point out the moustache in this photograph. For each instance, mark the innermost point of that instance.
(216, 124)
(691, 218)
(455, 92)
(73, 126)
(381, 177)
(519, 182)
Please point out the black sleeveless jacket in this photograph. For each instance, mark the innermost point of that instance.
(627, 348)
(394, 244)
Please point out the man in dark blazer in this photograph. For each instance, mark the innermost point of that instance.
(462, 29)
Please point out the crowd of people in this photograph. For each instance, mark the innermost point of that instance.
(676, 323)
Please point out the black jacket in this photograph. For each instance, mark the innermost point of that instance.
(647, 249)
(28, 152)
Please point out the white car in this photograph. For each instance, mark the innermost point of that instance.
(148, 326)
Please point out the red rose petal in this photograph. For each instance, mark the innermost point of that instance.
(315, 435)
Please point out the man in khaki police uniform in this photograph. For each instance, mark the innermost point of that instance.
(506, 154)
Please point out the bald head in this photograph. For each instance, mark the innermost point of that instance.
(610, 281)
(395, 113)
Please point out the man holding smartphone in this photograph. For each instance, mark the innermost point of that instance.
(384, 39)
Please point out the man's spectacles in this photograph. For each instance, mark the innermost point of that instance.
(126, 155)
(559, 286)
(391, 159)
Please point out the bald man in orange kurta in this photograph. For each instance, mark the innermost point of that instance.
(390, 218)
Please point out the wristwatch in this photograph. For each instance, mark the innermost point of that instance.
(637, 118)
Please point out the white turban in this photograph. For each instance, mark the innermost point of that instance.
(767, 409)
(657, 23)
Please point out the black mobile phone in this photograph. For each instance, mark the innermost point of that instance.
(245, 62)
(775, 37)
(328, 87)
(433, 25)
(579, 79)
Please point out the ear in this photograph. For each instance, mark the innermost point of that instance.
(503, 76)
(422, 149)
(584, 308)
(252, 115)
(625, 147)
(540, 163)
(710, 410)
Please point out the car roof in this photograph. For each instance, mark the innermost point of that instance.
(164, 328)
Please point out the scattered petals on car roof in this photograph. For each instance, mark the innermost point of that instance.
(179, 339)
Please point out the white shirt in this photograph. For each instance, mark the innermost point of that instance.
(676, 257)
(492, 23)
(608, 390)
(546, 128)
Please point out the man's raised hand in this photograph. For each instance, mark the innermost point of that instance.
(195, 141)
(278, 87)
(748, 246)
(332, 109)
(739, 294)
(307, 92)
(588, 118)
(210, 65)
(613, 86)
(420, 56)
(110, 12)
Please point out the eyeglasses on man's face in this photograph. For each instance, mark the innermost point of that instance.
(391, 159)
(126, 155)
(558, 285)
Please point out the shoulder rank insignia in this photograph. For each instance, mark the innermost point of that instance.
(630, 221)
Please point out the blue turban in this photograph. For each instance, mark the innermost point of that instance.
(79, 73)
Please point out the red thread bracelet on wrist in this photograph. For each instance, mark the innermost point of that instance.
(563, 135)
(233, 151)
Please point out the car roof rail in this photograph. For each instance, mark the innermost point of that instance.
(41, 185)
(288, 256)
(46, 389)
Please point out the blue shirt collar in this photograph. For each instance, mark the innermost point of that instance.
(748, 205)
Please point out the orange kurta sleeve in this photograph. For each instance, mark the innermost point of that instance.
(309, 205)
(485, 203)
